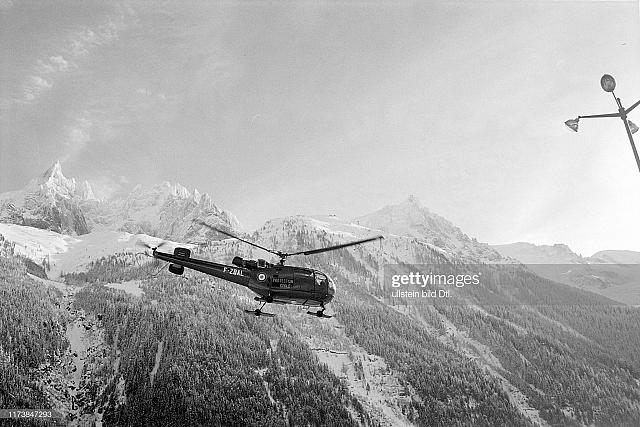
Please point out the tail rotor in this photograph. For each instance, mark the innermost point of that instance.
(154, 263)
(149, 246)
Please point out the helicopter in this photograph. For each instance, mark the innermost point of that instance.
(273, 283)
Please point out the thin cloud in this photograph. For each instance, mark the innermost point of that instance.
(34, 87)
(59, 62)
(104, 187)
(150, 94)
(80, 43)
(78, 137)
(54, 64)
(6, 4)
(86, 39)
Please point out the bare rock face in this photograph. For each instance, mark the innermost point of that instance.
(50, 202)
(54, 202)
(411, 218)
(170, 211)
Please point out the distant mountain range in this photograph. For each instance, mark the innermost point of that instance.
(612, 273)
(410, 218)
(517, 349)
(167, 211)
(50, 202)
(529, 253)
(54, 202)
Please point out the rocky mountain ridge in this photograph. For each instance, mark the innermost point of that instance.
(410, 218)
(504, 352)
(50, 201)
(57, 203)
(614, 274)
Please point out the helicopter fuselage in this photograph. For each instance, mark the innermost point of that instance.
(273, 283)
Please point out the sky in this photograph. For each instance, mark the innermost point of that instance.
(334, 107)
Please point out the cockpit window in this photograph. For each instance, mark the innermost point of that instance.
(332, 286)
(321, 279)
(304, 272)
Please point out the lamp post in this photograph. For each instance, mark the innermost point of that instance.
(608, 84)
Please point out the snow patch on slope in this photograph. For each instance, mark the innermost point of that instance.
(131, 287)
(72, 254)
(380, 390)
(35, 243)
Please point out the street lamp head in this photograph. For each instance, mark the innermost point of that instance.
(608, 83)
(572, 124)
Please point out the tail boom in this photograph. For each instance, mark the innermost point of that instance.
(234, 274)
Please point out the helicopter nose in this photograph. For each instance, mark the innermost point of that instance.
(331, 289)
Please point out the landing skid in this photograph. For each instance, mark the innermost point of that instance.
(258, 311)
(319, 313)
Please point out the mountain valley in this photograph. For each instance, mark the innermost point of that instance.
(92, 326)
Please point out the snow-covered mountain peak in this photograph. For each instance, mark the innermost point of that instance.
(167, 189)
(54, 172)
(49, 201)
(165, 210)
(165, 192)
(408, 218)
(85, 192)
(54, 183)
(54, 202)
(530, 253)
(411, 219)
(412, 200)
(175, 190)
(617, 257)
(205, 199)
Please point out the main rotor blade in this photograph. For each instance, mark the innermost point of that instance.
(237, 238)
(148, 246)
(333, 248)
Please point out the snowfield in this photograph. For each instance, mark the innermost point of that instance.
(35, 243)
(131, 287)
(68, 254)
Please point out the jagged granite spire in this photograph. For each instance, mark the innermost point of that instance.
(54, 202)
(48, 202)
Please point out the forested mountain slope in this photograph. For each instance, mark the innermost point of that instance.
(179, 350)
